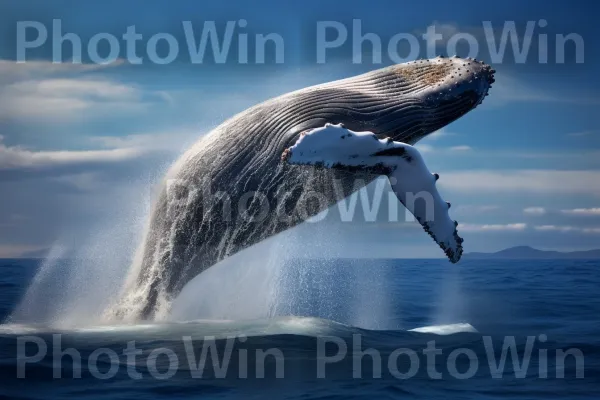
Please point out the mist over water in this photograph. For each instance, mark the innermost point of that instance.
(450, 302)
(82, 276)
(291, 273)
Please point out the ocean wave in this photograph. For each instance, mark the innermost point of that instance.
(287, 325)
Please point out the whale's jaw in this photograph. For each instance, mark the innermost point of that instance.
(192, 228)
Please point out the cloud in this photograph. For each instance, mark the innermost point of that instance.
(566, 228)
(440, 133)
(575, 159)
(113, 159)
(582, 212)
(555, 228)
(109, 162)
(476, 209)
(45, 91)
(11, 71)
(590, 230)
(55, 99)
(565, 159)
(17, 158)
(520, 227)
(516, 227)
(583, 133)
(460, 148)
(524, 181)
(563, 156)
(427, 148)
(510, 89)
(446, 29)
(82, 182)
(173, 140)
(12, 220)
(535, 210)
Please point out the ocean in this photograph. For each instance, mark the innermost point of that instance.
(343, 328)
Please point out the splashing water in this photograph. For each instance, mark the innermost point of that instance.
(81, 284)
(451, 305)
(79, 279)
(244, 286)
(274, 278)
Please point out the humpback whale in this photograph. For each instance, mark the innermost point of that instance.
(232, 190)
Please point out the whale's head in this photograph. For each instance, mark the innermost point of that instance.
(409, 101)
(437, 91)
(451, 87)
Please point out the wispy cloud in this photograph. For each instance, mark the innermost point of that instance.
(585, 212)
(49, 92)
(525, 181)
(521, 227)
(476, 209)
(83, 182)
(172, 141)
(583, 133)
(591, 230)
(566, 228)
(56, 99)
(427, 148)
(108, 161)
(11, 71)
(439, 134)
(562, 157)
(516, 227)
(535, 211)
(12, 158)
(460, 148)
(510, 89)
(555, 228)
(12, 220)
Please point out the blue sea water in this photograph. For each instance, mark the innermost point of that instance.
(322, 305)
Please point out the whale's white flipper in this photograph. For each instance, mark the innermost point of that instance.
(334, 146)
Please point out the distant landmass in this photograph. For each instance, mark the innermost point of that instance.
(526, 252)
(41, 253)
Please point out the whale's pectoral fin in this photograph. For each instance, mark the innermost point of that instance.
(416, 189)
(333, 146)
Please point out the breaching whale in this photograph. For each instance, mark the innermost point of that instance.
(231, 189)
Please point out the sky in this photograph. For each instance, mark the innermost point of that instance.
(84, 145)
